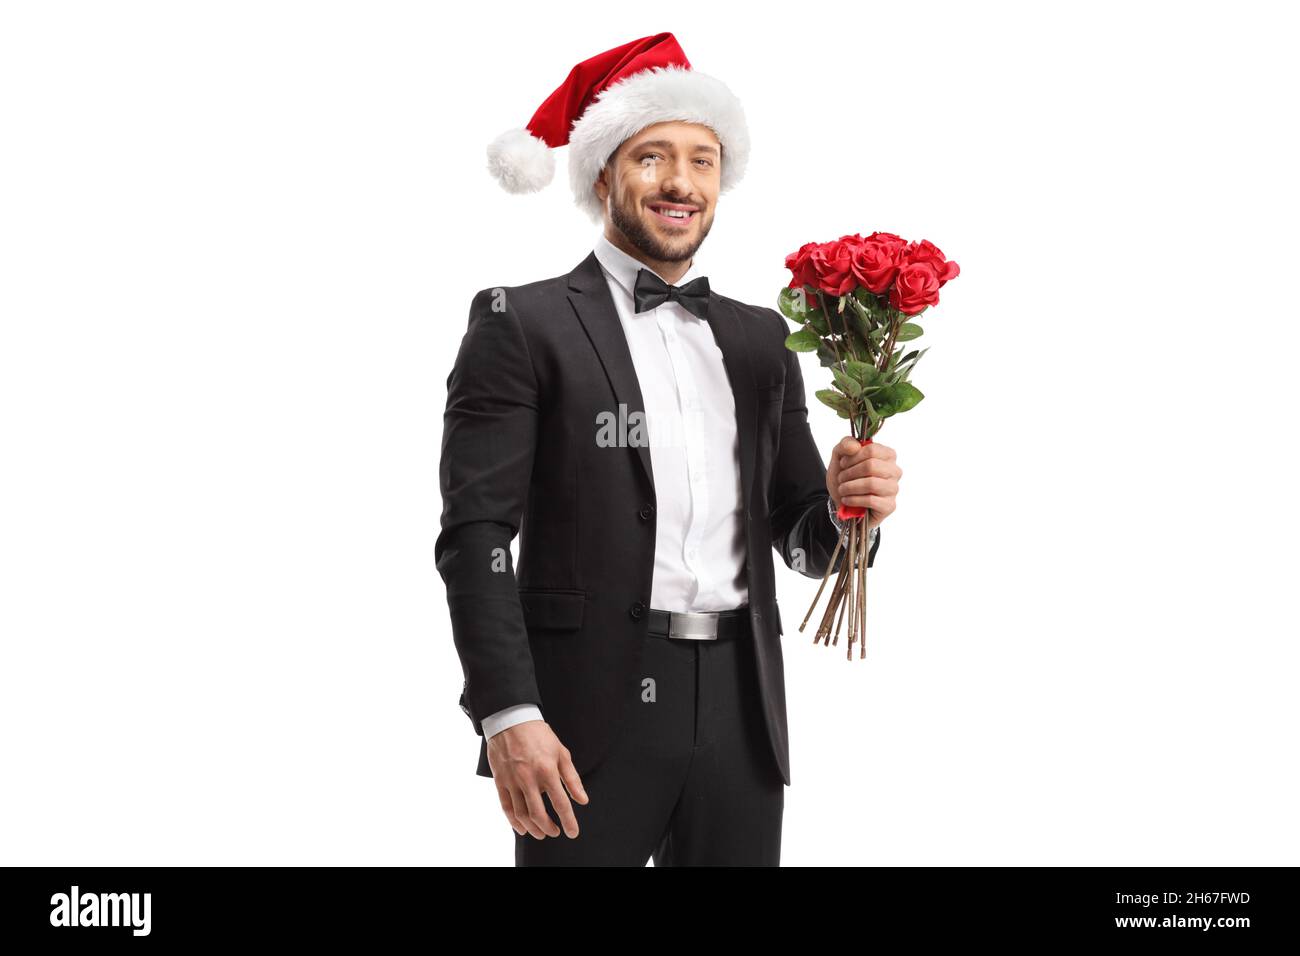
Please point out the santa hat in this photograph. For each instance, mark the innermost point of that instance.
(603, 102)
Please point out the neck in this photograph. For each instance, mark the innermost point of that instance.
(669, 271)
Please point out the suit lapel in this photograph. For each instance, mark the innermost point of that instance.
(592, 303)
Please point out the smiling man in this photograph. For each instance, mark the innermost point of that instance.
(648, 439)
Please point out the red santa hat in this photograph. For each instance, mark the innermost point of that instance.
(607, 99)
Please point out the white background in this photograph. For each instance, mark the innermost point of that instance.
(238, 242)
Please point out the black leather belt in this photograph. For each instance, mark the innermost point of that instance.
(700, 625)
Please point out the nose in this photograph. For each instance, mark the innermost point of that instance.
(676, 181)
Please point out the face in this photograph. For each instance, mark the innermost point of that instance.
(660, 188)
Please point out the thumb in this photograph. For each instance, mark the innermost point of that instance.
(848, 445)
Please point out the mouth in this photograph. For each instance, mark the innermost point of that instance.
(675, 215)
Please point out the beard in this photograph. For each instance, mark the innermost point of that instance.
(627, 219)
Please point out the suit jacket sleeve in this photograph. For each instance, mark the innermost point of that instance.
(488, 441)
(802, 530)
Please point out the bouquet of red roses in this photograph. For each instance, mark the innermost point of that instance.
(855, 300)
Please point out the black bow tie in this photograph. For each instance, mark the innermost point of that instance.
(651, 291)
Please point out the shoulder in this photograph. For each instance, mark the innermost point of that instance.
(765, 331)
(525, 301)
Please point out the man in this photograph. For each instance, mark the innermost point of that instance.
(648, 439)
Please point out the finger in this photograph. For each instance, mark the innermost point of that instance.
(537, 810)
(873, 485)
(846, 452)
(869, 452)
(861, 469)
(563, 808)
(853, 459)
(882, 451)
(872, 467)
(572, 781)
(848, 445)
(523, 816)
(508, 808)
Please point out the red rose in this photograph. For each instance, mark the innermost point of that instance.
(886, 237)
(876, 260)
(801, 270)
(916, 287)
(927, 252)
(832, 262)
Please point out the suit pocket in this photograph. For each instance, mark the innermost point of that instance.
(553, 609)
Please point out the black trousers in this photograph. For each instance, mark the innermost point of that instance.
(691, 781)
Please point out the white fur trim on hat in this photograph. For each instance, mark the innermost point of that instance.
(656, 95)
(520, 161)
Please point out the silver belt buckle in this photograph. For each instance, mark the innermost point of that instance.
(694, 625)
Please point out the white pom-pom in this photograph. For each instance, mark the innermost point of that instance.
(520, 161)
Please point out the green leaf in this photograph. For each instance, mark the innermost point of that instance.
(826, 355)
(859, 319)
(805, 340)
(897, 398)
(849, 385)
(863, 372)
(833, 399)
(908, 331)
(873, 416)
(866, 299)
(909, 362)
(793, 304)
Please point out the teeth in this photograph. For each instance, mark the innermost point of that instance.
(676, 213)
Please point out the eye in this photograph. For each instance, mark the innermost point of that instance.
(706, 162)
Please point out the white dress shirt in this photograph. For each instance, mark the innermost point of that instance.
(694, 454)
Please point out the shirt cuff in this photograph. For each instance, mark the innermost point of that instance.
(493, 724)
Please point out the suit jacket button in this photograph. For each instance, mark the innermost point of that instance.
(636, 610)
(646, 511)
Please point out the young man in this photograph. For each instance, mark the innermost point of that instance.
(648, 439)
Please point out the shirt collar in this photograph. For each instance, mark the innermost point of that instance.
(624, 267)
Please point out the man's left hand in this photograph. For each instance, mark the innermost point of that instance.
(864, 476)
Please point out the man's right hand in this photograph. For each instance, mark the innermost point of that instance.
(528, 760)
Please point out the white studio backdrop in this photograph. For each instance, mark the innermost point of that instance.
(238, 243)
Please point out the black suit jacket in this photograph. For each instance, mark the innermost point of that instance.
(565, 629)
